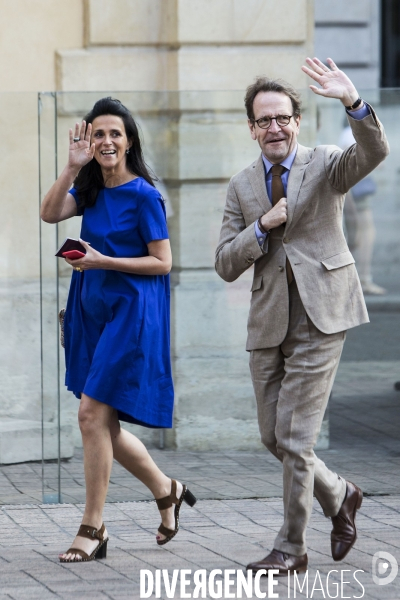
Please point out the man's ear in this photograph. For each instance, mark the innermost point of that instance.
(298, 119)
(252, 126)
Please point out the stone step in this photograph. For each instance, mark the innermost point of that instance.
(21, 441)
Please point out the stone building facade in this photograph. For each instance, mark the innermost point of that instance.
(182, 67)
(349, 32)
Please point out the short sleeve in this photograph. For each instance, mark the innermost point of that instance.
(79, 209)
(152, 219)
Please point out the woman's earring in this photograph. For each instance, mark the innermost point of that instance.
(127, 151)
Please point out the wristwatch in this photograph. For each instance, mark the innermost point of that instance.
(355, 105)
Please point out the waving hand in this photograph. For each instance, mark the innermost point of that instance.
(80, 152)
(333, 82)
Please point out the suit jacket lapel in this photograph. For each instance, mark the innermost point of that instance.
(256, 175)
(303, 157)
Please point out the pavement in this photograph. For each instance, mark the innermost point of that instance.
(238, 513)
(216, 534)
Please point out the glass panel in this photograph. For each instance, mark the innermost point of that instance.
(377, 198)
(51, 488)
(57, 434)
(195, 141)
(363, 393)
(20, 382)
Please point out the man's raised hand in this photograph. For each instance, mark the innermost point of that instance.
(334, 83)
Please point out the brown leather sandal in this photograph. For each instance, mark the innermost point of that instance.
(90, 533)
(167, 502)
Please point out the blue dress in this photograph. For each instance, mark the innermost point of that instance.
(117, 325)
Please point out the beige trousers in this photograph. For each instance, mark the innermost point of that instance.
(292, 383)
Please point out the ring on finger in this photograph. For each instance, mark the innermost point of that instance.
(78, 269)
(77, 139)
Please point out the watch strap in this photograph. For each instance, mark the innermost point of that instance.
(260, 227)
(355, 105)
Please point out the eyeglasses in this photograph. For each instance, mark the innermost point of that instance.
(281, 120)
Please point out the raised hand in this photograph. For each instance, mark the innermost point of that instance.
(334, 82)
(80, 152)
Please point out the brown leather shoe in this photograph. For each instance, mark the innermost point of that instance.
(286, 563)
(344, 533)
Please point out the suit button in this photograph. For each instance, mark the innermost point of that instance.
(281, 269)
(285, 240)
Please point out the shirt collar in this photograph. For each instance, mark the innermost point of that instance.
(287, 163)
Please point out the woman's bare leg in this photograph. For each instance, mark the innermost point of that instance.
(131, 453)
(94, 422)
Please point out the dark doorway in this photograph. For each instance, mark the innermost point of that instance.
(390, 36)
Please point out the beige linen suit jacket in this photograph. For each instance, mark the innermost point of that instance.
(312, 240)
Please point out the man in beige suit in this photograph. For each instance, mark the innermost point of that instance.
(283, 215)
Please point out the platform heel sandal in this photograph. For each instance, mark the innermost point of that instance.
(90, 533)
(167, 502)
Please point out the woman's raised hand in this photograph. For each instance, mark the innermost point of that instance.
(80, 152)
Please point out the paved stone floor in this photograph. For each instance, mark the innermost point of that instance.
(235, 521)
(215, 534)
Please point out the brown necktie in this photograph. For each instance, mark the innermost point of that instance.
(278, 192)
(277, 186)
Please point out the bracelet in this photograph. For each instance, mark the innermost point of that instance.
(355, 105)
(261, 228)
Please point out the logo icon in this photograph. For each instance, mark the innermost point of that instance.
(381, 563)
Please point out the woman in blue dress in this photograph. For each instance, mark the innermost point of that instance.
(116, 327)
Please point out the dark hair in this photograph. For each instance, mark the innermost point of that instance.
(264, 84)
(90, 179)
